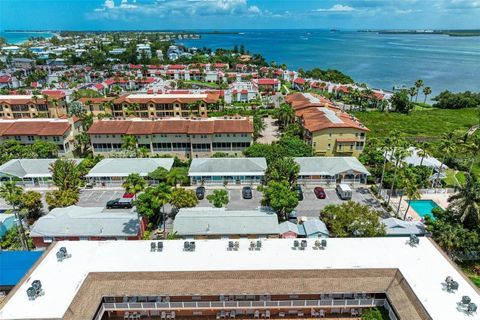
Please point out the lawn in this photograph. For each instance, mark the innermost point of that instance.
(471, 271)
(425, 122)
(211, 85)
(450, 180)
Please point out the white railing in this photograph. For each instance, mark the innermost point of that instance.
(364, 303)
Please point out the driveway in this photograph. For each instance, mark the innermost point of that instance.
(236, 202)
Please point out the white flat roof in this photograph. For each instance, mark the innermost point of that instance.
(424, 268)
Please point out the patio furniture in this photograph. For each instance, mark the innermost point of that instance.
(354, 312)
(163, 315)
(313, 313)
(232, 314)
(300, 313)
(256, 314)
(222, 314)
(126, 315)
(281, 314)
(173, 315)
(218, 315)
(321, 314)
(267, 314)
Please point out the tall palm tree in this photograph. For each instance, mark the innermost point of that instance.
(466, 202)
(474, 147)
(418, 85)
(176, 175)
(134, 183)
(412, 92)
(412, 192)
(388, 145)
(12, 195)
(401, 151)
(447, 146)
(423, 151)
(426, 91)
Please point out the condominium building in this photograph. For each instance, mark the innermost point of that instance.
(46, 105)
(164, 105)
(184, 137)
(62, 132)
(329, 130)
(242, 279)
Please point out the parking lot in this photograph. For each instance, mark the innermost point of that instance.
(236, 202)
(311, 206)
(98, 198)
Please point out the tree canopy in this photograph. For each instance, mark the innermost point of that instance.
(280, 197)
(218, 198)
(352, 219)
(451, 100)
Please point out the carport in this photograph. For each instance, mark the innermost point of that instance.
(331, 170)
(113, 171)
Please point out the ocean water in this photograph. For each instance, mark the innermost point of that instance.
(19, 37)
(382, 61)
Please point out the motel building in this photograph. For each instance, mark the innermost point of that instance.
(242, 279)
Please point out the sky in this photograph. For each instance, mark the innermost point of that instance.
(237, 14)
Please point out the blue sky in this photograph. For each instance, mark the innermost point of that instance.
(237, 14)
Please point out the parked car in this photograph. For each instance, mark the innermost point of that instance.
(320, 193)
(299, 191)
(344, 192)
(247, 193)
(128, 195)
(120, 203)
(200, 192)
(292, 216)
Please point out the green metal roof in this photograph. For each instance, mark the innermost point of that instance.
(228, 166)
(122, 167)
(29, 168)
(218, 221)
(329, 165)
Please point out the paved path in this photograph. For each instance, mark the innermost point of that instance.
(270, 133)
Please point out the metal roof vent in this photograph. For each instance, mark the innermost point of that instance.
(35, 290)
(62, 254)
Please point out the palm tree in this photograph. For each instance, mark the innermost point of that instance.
(412, 92)
(426, 92)
(423, 151)
(388, 144)
(12, 194)
(466, 202)
(134, 183)
(129, 142)
(447, 146)
(66, 174)
(285, 115)
(412, 193)
(418, 85)
(399, 153)
(474, 148)
(143, 152)
(176, 175)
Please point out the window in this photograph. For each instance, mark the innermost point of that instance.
(362, 135)
(164, 146)
(182, 146)
(18, 138)
(47, 239)
(359, 145)
(201, 147)
(83, 238)
(56, 139)
(203, 136)
(31, 138)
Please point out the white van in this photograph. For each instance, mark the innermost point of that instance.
(344, 192)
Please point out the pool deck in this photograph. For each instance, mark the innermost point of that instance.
(440, 198)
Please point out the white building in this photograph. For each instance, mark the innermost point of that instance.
(108, 279)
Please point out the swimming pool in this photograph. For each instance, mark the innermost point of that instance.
(6, 225)
(424, 207)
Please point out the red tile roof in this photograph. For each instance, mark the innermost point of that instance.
(46, 127)
(190, 126)
(300, 81)
(267, 81)
(5, 79)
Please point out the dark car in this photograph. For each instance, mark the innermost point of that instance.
(319, 193)
(120, 203)
(200, 192)
(247, 193)
(299, 192)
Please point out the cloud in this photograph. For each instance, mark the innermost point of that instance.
(337, 8)
(169, 8)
